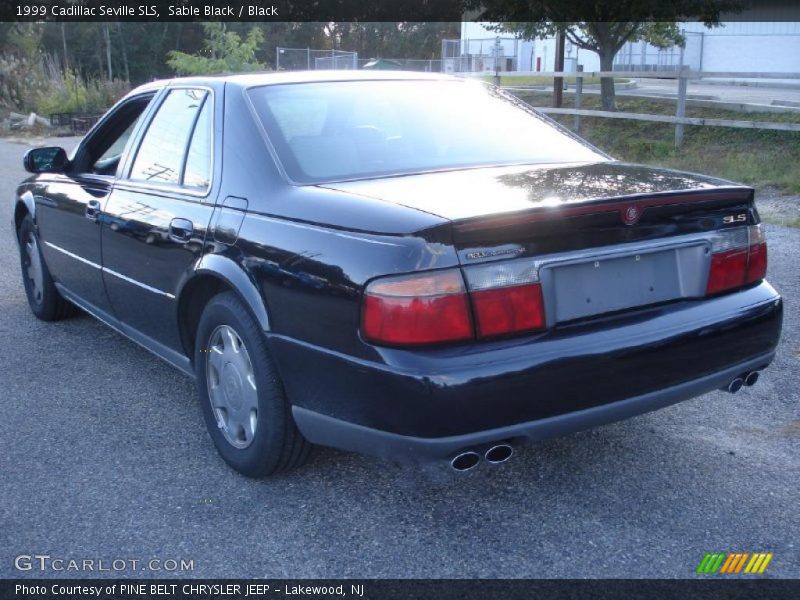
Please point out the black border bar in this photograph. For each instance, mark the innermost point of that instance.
(356, 10)
(395, 589)
(231, 10)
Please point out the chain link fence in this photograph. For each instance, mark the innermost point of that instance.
(308, 59)
(406, 64)
(480, 55)
(458, 56)
(641, 56)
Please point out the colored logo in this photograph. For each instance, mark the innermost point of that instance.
(734, 562)
(631, 214)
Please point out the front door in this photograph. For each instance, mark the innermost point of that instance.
(69, 206)
(156, 219)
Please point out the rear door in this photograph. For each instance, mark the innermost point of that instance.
(158, 214)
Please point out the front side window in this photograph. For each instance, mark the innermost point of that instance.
(108, 163)
(162, 154)
(101, 153)
(328, 131)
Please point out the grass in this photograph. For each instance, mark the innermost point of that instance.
(755, 157)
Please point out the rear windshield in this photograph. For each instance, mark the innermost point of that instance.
(333, 131)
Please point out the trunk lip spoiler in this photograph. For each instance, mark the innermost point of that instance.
(604, 205)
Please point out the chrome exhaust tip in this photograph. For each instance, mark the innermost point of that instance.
(751, 378)
(465, 461)
(735, 385)
(499, 454)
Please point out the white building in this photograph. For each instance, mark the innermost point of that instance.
(743, 45)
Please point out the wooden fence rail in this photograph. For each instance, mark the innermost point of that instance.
(680, 119)
(671, 119)
(645, 74)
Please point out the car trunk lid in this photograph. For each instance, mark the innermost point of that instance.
(493, 191)
(601, 237)
(523, 210)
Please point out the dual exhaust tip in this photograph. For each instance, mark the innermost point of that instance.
(470, 459)
(748, 379)
(500, 453)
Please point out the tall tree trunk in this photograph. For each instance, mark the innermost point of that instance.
(99, 55)
(607, 96)
(125, 65)
(107, 38)
(178, 34)
(64, 43)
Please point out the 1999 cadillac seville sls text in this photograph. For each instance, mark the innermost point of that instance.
(409, 266)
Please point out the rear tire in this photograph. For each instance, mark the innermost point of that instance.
(241, 395)
(44, 299)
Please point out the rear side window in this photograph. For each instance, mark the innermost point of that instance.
(197, 174)
(177, 142)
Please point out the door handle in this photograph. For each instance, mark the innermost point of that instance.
(93, 210)
(181, 230)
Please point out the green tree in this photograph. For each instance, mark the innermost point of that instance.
(223, 52)
(608, 24)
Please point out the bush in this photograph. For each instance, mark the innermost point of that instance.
(21, 82)
(71, 93)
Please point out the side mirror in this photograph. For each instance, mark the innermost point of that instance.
(45, 160)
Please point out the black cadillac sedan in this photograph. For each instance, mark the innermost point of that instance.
(410, 266)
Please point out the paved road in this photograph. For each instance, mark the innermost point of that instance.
(723, 92)
(104, 455)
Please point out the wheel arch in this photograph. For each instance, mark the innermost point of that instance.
(213, 275)
(25, 205)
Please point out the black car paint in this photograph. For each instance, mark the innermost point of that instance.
(457, 390)
(61, 220)
(300, 257)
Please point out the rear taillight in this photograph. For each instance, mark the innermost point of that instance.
(757, 260)
(739, 257)
(432, 308)
(426, 308)
(506, 298)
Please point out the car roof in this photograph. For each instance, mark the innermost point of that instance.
(247, 80)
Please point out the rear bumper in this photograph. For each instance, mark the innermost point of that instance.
(328, 431)
(418, 405)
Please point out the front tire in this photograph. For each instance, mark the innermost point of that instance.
(44, 299)
(241, 395)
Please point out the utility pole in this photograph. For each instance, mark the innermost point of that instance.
(681, 108)
(497, 51)
(578, 95)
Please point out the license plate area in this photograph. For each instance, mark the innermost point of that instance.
(600, 284)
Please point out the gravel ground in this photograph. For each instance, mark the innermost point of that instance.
(777, 208)
(105, 456)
